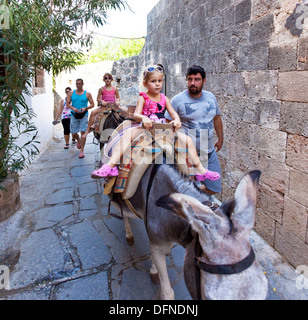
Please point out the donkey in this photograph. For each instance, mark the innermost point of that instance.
(175, 210)
(113, 120)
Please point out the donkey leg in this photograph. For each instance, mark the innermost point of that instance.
(128, 232)
(159, 258)
(153, 272)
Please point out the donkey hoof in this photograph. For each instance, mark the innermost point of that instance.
(130, 241)
(155, 278)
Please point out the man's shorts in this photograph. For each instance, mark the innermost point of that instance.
(212, 165)
(79, 125)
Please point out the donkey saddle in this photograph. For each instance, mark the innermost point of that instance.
(157, 145)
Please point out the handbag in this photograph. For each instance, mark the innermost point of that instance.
(79, 115)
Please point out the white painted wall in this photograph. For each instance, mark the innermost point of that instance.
(42, 105)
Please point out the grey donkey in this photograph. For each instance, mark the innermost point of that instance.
(175, 210)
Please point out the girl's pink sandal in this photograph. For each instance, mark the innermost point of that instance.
(210, 175)
(105, 171)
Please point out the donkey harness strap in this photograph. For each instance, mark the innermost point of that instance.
(225, 269)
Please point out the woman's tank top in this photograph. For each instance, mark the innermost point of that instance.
(66, 114)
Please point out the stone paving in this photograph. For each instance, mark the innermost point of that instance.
(63, 245)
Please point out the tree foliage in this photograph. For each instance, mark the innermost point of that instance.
(112, 50)
(41, 34)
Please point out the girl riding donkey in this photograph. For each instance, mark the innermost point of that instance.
(151, 107)
(107, 95)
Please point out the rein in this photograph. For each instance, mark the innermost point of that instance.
(224, 269)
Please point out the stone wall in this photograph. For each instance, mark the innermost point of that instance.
(256, 57)
(128, 74)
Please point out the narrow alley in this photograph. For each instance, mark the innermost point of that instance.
(63, 245)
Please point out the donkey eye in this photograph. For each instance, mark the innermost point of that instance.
(205, 226)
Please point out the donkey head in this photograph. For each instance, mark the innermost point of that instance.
(224, 238)
(224, 235)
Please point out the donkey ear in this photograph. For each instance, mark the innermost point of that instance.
(245, 200)
(185, 206)
(170, 202)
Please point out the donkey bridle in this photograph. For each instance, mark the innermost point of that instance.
(223, 269)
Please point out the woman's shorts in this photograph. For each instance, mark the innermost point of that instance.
(79, 125)
(66, 126)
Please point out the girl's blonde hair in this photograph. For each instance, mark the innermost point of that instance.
(149, 70)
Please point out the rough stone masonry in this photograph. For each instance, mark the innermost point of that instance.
(255, 53)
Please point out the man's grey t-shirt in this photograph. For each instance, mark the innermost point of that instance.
(197, 116)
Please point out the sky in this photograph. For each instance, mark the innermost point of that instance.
(127, 24)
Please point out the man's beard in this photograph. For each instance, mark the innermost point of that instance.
(194, 90)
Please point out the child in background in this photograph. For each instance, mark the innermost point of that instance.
(150, 108)
(107, 95)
